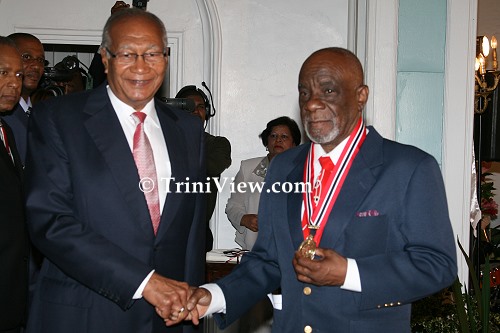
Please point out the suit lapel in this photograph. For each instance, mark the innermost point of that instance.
(177, 152)
(105, 130)
(15, 166)
(295, 199)
(357, 184)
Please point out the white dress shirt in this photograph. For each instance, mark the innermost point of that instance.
(25, 104)
(153, 130)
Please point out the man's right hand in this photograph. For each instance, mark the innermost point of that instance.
(169, 297)
(198, 303)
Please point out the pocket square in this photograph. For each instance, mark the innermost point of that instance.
(371, 212)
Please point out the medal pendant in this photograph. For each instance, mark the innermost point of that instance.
(308, 248)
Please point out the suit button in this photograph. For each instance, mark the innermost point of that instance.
(308, 329)
(307, 291)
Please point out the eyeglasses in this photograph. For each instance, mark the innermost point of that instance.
(130, 58)
(276, 136)
(29, 58)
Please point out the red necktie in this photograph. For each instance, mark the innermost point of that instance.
(145, 162)
(326, 169)
(3, 136)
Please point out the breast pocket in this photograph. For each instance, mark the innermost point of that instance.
(367, 236)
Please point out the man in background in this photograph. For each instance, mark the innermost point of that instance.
(218, 150)
(33, 57)
(116, 236)
(14, 245)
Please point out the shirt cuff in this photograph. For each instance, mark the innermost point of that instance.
(138, 292)
(352, 280)
(218, 302)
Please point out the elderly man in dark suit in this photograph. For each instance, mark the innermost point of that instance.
(14, 248)
(115, 236)
(368, 237)
(33, 57)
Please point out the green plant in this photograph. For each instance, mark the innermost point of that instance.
(455, 311)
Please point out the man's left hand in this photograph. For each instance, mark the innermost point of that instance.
(327, 269)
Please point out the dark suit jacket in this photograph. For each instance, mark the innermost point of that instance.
(218, 155)
(88, 217)
(18, 122)
(14, 248)
(391, 217)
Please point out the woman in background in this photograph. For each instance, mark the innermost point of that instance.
(279, 135)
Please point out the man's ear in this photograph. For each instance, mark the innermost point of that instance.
(105, 59)
(362, 93)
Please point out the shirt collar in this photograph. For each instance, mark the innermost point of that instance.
(334, 153)
(25, 104)
(120, 106)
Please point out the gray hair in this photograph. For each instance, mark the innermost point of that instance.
(128, 13)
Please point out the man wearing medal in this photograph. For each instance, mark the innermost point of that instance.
(372, 236)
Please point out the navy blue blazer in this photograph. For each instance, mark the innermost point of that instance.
(89, 218)
(391, 216)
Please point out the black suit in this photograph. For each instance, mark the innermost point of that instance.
(14, 247)
(89, 218)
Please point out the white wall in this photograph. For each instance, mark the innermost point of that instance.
(262, 47)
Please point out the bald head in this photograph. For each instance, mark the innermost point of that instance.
(17, 37)
(332, 95)
(342, 60)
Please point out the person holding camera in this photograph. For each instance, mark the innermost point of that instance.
(218, 150)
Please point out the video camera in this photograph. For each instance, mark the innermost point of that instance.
(185, 104)
(64, 71)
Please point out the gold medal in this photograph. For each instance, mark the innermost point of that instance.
(308, 248)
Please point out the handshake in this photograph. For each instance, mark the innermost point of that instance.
(176, 301)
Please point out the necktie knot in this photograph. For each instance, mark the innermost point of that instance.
(139, 116)
(326, 163)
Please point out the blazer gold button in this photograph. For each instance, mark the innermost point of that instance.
(307, 291)
(308, 329)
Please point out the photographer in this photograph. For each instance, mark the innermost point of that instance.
(67, 74)
(218, 149)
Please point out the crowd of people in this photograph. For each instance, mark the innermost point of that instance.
(94, 242)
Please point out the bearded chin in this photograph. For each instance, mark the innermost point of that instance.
(319, 138)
